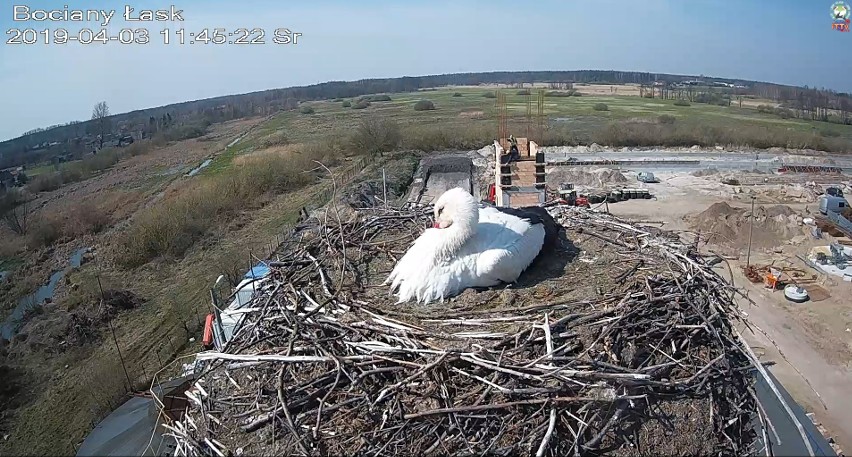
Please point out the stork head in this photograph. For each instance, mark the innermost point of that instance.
(456, 208)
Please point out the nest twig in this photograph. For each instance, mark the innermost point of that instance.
(319, 366)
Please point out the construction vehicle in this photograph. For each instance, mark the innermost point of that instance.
(830, 203)
(568, 196)
(834, 192)
(647, 177)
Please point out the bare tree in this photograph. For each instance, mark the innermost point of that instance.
(377, 135)
(17, 218)
(100, 116)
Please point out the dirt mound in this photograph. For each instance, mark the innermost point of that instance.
(601, 178)
(711, 171)
(472, 114)
(727, 226)
(121, 299)
(49, 328)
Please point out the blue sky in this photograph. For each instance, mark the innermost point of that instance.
(785, 41)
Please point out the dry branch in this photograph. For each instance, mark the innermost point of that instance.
(325, 364)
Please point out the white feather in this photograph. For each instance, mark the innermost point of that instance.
(479, 247)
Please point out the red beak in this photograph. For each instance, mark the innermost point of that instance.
(436, 225)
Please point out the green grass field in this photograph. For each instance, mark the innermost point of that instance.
(42, 168)
(572, 117)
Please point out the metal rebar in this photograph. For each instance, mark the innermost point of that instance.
(750, 232)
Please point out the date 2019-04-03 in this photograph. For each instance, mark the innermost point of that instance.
(215, 36)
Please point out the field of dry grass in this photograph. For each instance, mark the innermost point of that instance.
(68, 387)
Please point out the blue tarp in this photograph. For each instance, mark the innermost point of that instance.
(258, 271)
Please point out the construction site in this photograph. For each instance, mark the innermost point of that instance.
(694, 305)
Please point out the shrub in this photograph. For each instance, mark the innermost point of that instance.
(681, 102)
(306, 109)
(666, 119)
(84, 218)
(138, 148)
(440, 138)
(185, 132)
(73, 173)
(713, 98)
(328, 151)
(277, 138)
(44, 231)
(457, 94)
(600, 107)
(559, 93)
(83, 169)
(45, 182)
(424, 105)
(375, 98)
(11, 387)
(361, 104)
(347, 103)
(17, 218)
(489, 95)
(376, 135)
(10, 199)
(105, 158)
(523, 92)
(175, 225)
(560, 136)
(783, 113)
(688, 134)
(338, 100)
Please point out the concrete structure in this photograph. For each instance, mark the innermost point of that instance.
(440, 172)
(520, 183)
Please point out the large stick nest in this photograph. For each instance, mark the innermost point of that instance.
(621, 341)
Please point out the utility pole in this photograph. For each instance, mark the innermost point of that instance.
(750, 232)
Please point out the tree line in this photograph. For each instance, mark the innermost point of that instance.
(818, 104)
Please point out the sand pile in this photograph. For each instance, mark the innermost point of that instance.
(726, 226)
(800, 193)
(600, 178)
(711, 171)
